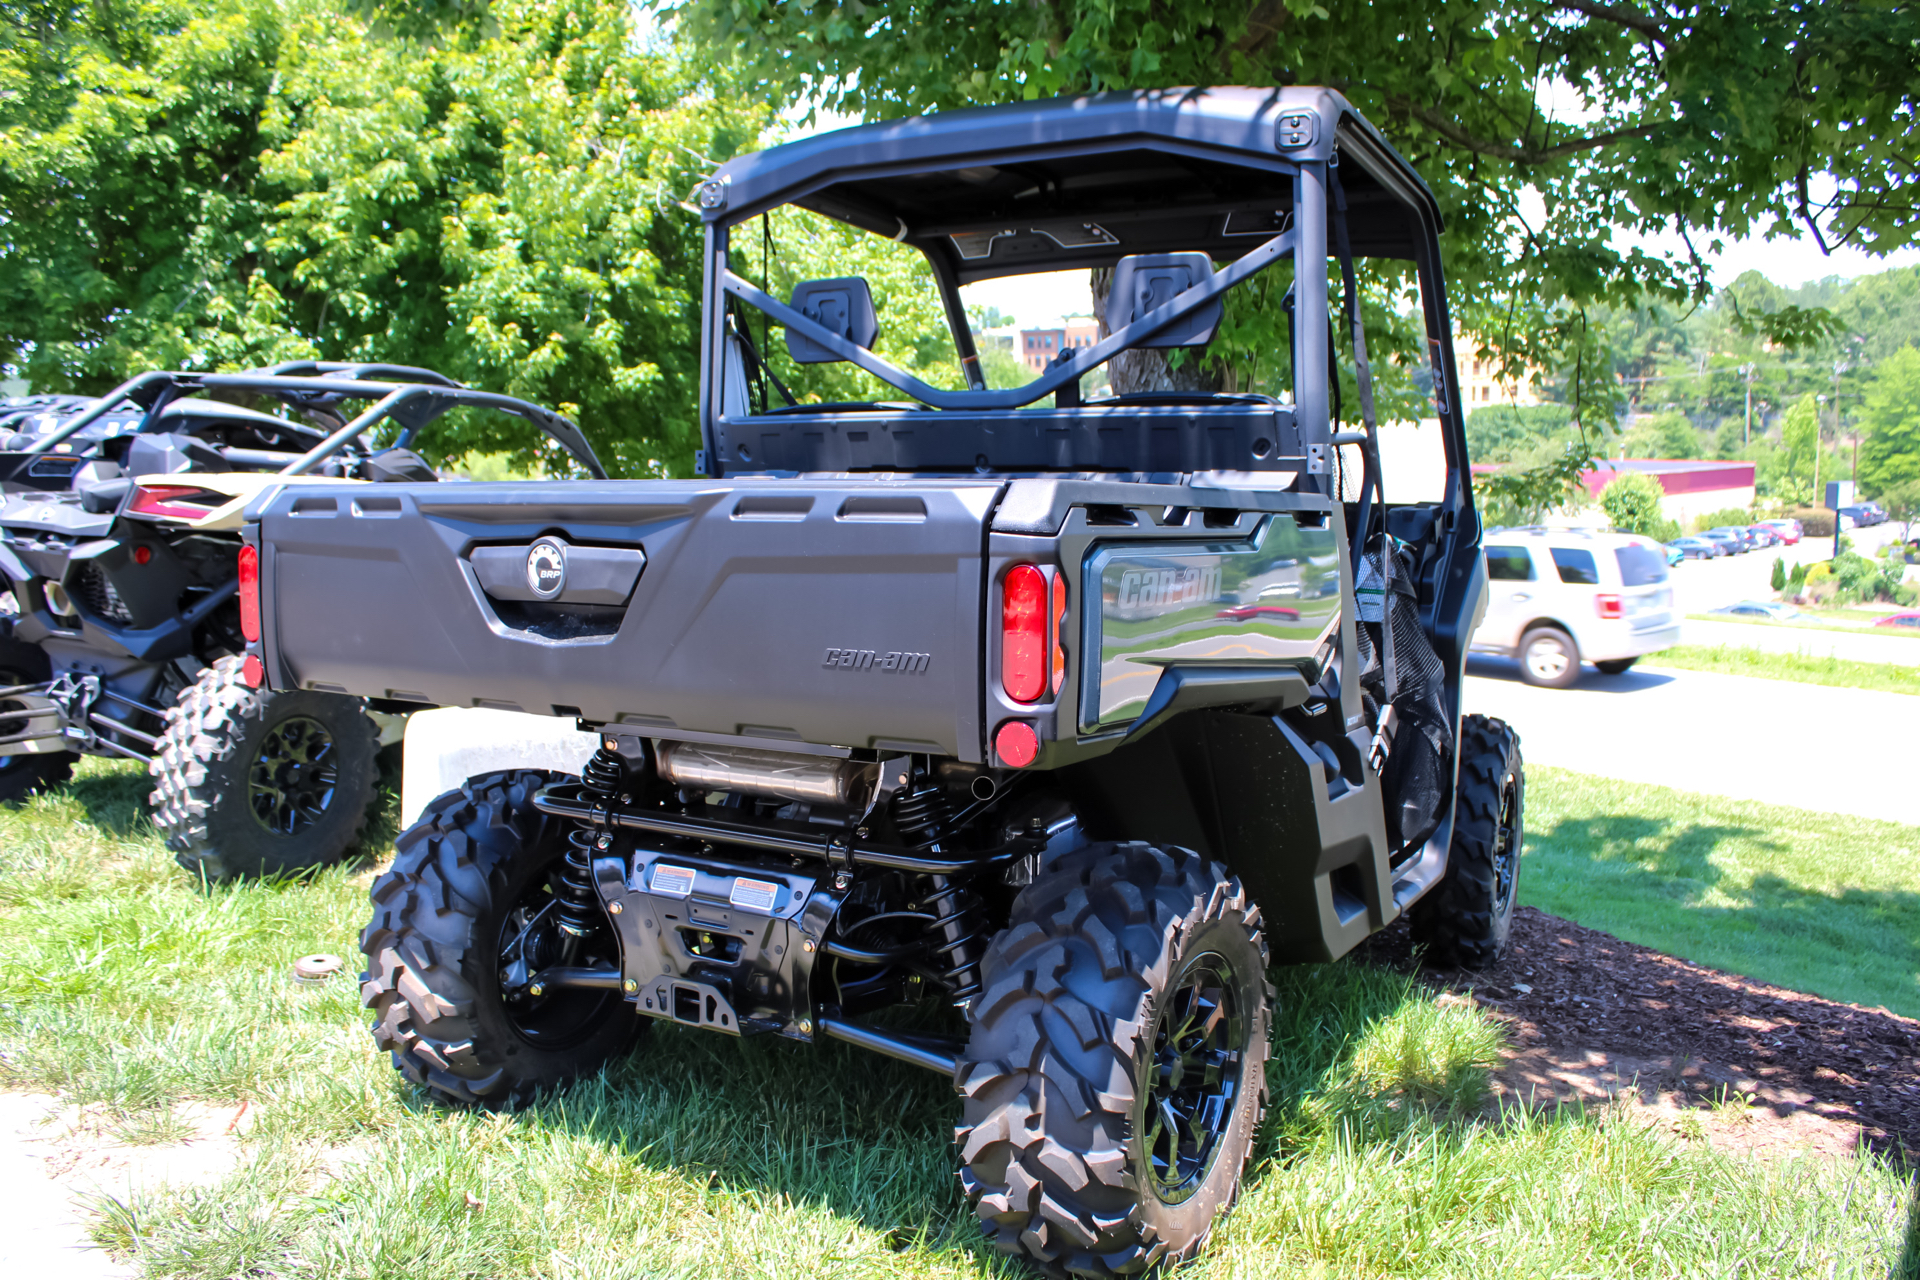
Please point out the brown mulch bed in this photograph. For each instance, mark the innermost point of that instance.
(1591, 1014)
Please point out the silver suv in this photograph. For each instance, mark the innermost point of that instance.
(1560, 596)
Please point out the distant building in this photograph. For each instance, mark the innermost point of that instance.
(1004, 338)
(1038, 347)
(1689, 487)
(1480, 381)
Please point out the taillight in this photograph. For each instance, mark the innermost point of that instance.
(1023, 634)
(1016, 744)
(178, 502)
(250, 593)
(1609, 606)
(253, 671)
(1053, 631)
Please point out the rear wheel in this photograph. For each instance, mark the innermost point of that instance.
(1466, 921)
(250, 782)
(1115, 1075)
(26, 774)
(1615, 667)
(460, 922)
(1549, 658)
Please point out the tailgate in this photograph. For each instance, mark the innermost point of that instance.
(839, 613)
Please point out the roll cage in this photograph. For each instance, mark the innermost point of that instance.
(1249, 177)
(408, 396)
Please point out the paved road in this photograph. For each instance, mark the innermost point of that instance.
(1854, 646)
(1722, 735)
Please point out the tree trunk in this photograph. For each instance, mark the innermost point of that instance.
(1136, 371)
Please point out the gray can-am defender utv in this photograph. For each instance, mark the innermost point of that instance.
(121, 628)
(1069, 718)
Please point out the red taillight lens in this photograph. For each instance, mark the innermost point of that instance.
(1054, 636)
(178, 502)
(1609, 607)
(1023, 633)
(1016, 744)
(250, 593)
(253, 671)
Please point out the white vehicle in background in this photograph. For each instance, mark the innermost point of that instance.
(1559, 597)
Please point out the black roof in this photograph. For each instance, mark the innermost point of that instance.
(1071, 182)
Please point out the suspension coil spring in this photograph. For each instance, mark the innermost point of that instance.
(577, 906)
(961, 932)
(919, 815)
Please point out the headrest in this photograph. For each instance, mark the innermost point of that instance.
(843, 306)
(1145, 281)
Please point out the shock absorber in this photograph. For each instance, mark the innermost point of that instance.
(959, 930)
(577, 907)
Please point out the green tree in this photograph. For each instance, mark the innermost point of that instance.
(1902, 502)
(1632, 503)
(1663, 435)
(1800, 432)
(1890, 453)
(1779, 579)
(239, 181)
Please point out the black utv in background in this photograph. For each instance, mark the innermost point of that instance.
(1065, 716)
(120, 548)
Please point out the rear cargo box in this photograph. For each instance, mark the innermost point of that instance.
(844, 614)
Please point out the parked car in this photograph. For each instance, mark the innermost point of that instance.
(1787, 530)
(1674, 555)
(1767, 534)
(1862, 516)
(1772, 610)
(1696, 548)
(1729, 540)
(1561, 597)
(1909, 621)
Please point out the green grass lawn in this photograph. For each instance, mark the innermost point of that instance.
(1818, 902)
(1737, 660)
(126, 986)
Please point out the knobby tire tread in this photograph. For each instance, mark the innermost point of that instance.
(1456, 921)
(1048, 1076)
(206, 725)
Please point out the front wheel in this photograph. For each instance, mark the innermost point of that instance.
(1466, 921)
(250, 782)
(461, 921)
(1549, 658)
(1615, 666)
(1115, 1074)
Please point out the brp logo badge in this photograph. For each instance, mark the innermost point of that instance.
(547, 568)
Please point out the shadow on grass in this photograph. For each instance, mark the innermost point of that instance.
(1655, 881)
(870, 1140)
(1908, 1268)
(113, 795)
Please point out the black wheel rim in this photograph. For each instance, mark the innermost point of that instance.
(1191, 1081)
(293, 776)
(1506, 846)
(531, 940)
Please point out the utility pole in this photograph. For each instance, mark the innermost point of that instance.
(1747, 370)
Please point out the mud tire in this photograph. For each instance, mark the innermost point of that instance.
(432, 979)
(201, 802)
(1063, 1036)
(23, 776)
(1466, 921)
